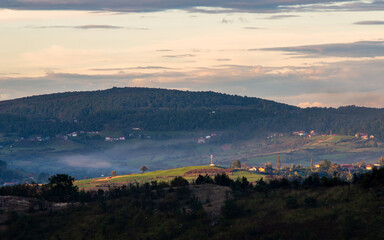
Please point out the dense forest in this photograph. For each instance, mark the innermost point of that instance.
(173, 110)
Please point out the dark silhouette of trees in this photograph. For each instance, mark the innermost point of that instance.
(179, 182)
(203, 179)
(60, 189)
(222, 179)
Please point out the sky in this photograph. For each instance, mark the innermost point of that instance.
(300, 52)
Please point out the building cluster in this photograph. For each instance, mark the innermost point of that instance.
(364, 136)
(112, 139)
(202, 140)
(275, 135)
(311, 133)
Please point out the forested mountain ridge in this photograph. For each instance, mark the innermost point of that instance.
(72, 105)
(172, 110)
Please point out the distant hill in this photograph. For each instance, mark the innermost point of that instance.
(172, 110)
(126, 108)
(74, 105)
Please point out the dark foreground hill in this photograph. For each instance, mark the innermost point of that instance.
(311, 208)
(171, 110)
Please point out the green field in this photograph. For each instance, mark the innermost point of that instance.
(160, 176)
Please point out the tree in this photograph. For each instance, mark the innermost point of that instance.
(179, 182)
(325, 165)
(60, 189)
(143, 168)
(268, 167)
(381, 161)
(360, 164)
(311, 164)
(113, 173)
(278, 163)
(236, 164)
(222, 179)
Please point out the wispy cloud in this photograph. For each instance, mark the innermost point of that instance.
(282, 16)
(130, 68)
(179, 56)
(333, 84)
(370, 23)
(207, 6)
(355, 50)
(87, 27)
(253, 28)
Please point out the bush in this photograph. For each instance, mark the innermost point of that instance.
(223, 179)
(310, 202)
(179, 182)
(60, 189)
(203, 179)
(291, 202)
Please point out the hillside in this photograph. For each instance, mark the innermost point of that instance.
(189, 173)
(67, 132)
(214, 208)
(126, 108)
(151, 109)
(73, 105)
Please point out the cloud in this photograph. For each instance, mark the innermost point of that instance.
(282, 16)
(308, 104)
(87, 27)
(370, 23)
(207, 6)
(223, 59)
(253, 28)
(4, 96)
(179, 56)
(356, 82)
(98, 27)
(350, 50)
(130, 68)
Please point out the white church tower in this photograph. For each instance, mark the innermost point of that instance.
(212, 165)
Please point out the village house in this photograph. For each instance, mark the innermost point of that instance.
(300, 133)
(369, 167)
(261, 169)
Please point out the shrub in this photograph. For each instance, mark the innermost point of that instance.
(223, 179)
(179, 182)
(291, 202)
(310, 202)
(203, 179)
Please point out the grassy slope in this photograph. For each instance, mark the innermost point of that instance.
(161, 175)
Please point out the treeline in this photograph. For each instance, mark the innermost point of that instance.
(61, 188)
(171, 110)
